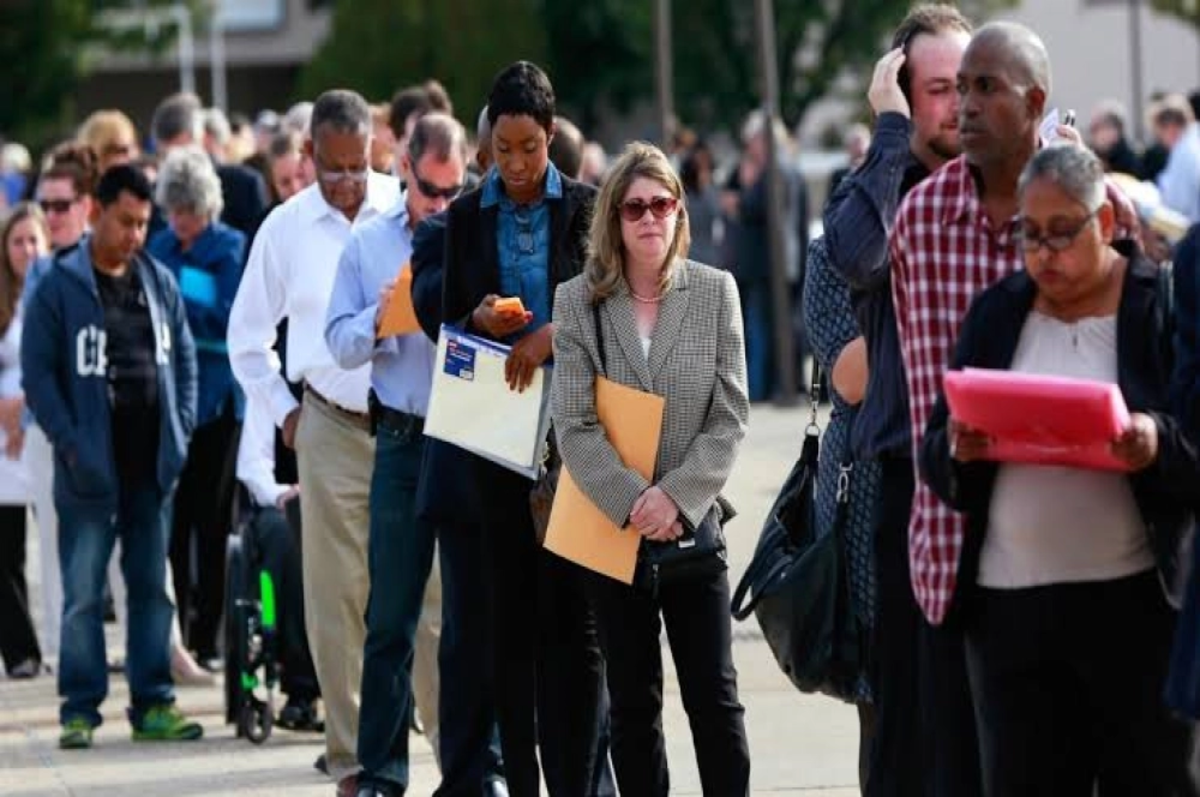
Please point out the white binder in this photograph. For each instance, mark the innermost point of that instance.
(472, 407)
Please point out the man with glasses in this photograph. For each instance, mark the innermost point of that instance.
(291, 273)
(955, 234)
(401, 543)
(64, 192)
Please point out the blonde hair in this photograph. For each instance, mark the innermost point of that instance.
(605, 268)
(105, 129)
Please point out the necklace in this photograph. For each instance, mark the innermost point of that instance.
(645, 299)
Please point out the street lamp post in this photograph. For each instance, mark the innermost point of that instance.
(664, 77)
(781, 309)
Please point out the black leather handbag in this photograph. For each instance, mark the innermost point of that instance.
(798, 584)
(698, 553)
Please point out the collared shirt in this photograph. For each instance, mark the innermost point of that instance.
(401, 366)
(857, 219)
(523, 244)
(944, 251)
(1179, 181)
(256, 455)
(290, 275)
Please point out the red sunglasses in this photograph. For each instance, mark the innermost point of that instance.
(660, 206)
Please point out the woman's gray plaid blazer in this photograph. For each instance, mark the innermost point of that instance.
(697, 363)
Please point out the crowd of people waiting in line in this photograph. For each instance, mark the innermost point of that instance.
(196, 333)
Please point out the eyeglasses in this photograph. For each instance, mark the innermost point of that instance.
(55, 205)
(335, 176)
(660, 206)
(432, 191)
(1055, 242)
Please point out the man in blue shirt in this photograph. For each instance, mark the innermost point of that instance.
(401, 544)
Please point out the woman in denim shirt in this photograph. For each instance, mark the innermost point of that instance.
(206, 257)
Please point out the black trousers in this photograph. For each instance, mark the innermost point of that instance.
(18, 642)
(1068, 683)
(546, 663)
(897, 766)
(699, 630)
(203, 510)
(277, 548)
(948, 714)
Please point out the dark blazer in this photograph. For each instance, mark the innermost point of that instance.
(1186, 389)
(472, 267)
(1164, 491)
(429, 252)
(245, 195)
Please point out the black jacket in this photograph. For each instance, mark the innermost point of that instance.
(245, 195)
(471, 268)
(1164, 491)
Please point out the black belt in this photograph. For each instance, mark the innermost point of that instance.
(358, 418)
(399, 421)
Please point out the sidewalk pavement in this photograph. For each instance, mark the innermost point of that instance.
(800, 744)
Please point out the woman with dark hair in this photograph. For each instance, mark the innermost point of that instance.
(704, 205)
(522, 234)
(23, 238)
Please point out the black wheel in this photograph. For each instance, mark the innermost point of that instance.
(256, 721)
(237, 645)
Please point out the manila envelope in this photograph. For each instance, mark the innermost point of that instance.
(579, 531)
(399, 317)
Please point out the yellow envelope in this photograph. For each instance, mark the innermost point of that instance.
(578, 530)
(399, 317)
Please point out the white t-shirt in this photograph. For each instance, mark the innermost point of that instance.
(1049, 524)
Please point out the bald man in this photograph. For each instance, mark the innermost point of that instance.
(956, 234)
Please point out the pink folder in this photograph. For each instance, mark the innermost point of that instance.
(1043, 420)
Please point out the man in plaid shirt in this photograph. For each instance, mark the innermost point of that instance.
(956, 234)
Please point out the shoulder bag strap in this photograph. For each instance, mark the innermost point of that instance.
(600, 338)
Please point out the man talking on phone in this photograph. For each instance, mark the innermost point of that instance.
(916, 131)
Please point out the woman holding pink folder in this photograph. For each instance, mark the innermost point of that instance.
(1067, 625)
(643, 316)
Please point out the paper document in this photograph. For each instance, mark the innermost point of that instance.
(472, 407)
(399, 317)
(1043, 420)
(578, 530)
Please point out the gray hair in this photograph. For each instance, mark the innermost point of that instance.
(342, 111)
(1076, 170)
(216, 124)
(187, 181)
(298, 117)
(178, 114)
(438, 134)
(483, 127)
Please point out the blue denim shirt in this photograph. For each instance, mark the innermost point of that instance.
(523, 241)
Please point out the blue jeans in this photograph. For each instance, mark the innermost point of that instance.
(760, 343)
(399, 558)
(86, 536)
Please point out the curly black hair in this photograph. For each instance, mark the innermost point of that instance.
(522, 89)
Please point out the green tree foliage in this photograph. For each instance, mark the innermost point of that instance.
(45, 46)
(379, 46)
(600, 53)
(1186, 10)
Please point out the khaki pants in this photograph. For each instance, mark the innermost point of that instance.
(335, 457)
(425, 657)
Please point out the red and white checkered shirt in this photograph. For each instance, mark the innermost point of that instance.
(944, 252)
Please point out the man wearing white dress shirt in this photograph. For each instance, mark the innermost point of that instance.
(290, 274)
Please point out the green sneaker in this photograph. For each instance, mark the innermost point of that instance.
(166, 724)
(76, 735)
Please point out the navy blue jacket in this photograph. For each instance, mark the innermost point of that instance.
(1185, 386)
(858, 219)
(1164, 491)
(208, 274)
(66, 381)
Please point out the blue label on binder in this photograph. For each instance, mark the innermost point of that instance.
(460, 360)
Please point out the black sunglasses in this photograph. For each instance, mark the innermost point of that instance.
(56, 205)
(433, 192)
